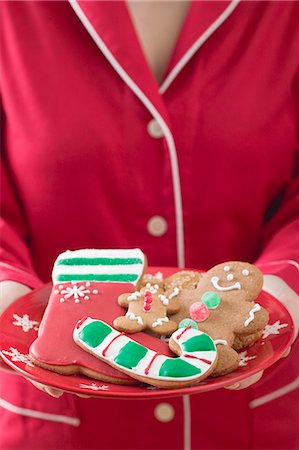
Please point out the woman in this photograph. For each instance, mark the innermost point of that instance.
(168, 126)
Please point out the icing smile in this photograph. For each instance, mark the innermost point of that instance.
(215, 283)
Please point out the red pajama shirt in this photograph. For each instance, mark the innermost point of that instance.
(196, 171)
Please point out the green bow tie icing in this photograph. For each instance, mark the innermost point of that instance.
(197, 352)
(115, 266)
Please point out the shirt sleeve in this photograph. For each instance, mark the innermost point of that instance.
(15, 261)
(279, 259)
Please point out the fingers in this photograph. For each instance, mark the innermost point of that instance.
(53, 392)
(286, 353)
(246, 382)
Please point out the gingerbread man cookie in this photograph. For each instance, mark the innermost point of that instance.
(223, 305)
(184, 279)
(147, 310)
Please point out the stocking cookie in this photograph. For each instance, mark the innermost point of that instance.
(223, 305)
(196, 350)
(85, 282)
(148, 310)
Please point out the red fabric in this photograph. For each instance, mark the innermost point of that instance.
(81, 171)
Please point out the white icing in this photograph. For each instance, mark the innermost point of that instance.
(226, 268)
(164, 299)
(76, 291)
(98, 269)
(174, 293)
(152, 288)
(159, 321)
(245, 272)
(134, 296)
(256, 308)
(215, 280)
(230, 277)
(220, 342)
(132, 316)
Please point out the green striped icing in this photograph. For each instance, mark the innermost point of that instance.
(94, 333)
(98, 261)
(198, 343)
(177, 368)
(130, 355)
(118, 277)
(99, 265)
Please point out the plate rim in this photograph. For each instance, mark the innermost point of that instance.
(148, 392)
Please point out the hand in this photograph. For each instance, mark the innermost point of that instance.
(252, 379)
(11, 291)
(53, 392)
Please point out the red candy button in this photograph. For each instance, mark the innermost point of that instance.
(199, 312)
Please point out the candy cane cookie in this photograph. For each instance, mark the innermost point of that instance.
(197, 354)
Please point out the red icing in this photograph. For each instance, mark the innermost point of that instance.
(200, 359)
(112, 340)
(184, 331)
(148, 300)
(81, 321)
(146, 371)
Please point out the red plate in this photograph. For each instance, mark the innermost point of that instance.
(19, 325)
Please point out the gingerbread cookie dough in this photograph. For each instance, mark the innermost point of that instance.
(224, 305)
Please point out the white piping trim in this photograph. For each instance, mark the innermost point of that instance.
(197, 44)
(187, 422)
(275, 394)
(73, 421)
(166, 131)
(292, 262)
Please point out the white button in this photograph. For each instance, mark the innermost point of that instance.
(157, 226)
(154, 129)
(164, 412)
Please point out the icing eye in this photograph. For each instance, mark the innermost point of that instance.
(230, 277)
(245, 272)
(226, 268)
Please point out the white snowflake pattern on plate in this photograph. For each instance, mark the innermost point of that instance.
(273, 329)
(79, 292)
(94, 387)
(25, 323)
(244, 359)
(17, 356)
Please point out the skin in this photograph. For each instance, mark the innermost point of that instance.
(157, 25)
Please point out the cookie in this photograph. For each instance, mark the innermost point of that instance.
(105, 266)
(223, 306)
(196, 350)
(85, 282)
(147, 309)
(184, 279)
